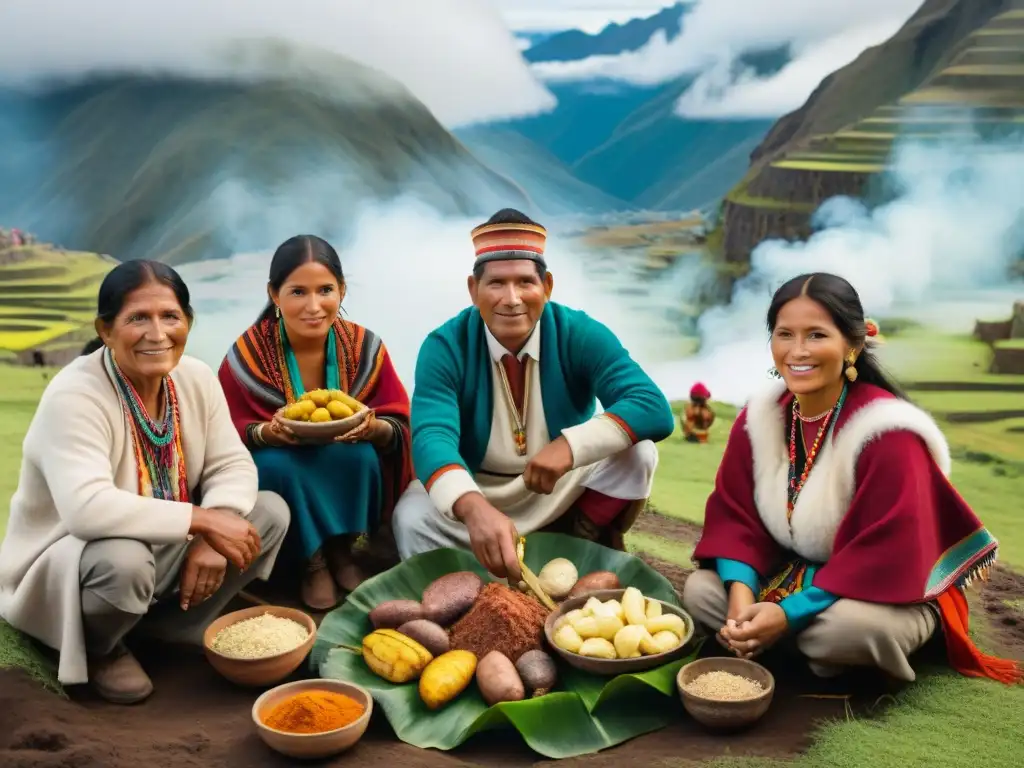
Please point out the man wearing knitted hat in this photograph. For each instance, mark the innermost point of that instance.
(697, 418)
(505, 438)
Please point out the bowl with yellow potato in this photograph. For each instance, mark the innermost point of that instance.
(323, 414)
(618, 631)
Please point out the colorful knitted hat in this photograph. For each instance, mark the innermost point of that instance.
(507, 242)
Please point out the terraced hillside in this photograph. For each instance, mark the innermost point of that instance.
(48, 300)
(956, 68)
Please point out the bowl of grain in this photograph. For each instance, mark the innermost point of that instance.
(725, 693)
(312, 719)
(259, 646)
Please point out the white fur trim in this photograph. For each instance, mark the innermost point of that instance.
(827, 494)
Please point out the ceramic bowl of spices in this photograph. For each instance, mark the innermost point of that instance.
(312, 719)
(259, 646)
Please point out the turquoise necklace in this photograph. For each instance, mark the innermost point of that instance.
(157, 434)
(332, 375)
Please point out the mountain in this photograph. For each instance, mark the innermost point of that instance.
(627, 141)
(614, 39)
(138, 165)
(954, 67)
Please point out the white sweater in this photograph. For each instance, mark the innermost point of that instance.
(79, 482)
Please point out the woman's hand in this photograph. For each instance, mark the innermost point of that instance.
(756, 629)
(202, 573)
(276, 433)
(741, 597)
(229, 534)
(370, 429)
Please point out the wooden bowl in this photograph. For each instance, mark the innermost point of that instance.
(612, 667)
(726, 715)
(269, 669)
(324, 430)
(311, 745)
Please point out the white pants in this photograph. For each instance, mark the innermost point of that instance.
(628, 475)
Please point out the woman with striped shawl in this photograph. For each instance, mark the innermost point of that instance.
(336, 490)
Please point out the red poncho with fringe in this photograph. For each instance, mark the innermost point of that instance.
(877, 511)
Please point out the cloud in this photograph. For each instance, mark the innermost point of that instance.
(457, 56)
(717, 32)
(586, 15)
(939, 253)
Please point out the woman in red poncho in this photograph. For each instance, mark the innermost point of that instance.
(832, 518)
(698, 417)
(336, 490)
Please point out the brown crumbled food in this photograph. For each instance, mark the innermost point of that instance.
(501, 620)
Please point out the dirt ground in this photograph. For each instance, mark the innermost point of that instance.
(195, 718)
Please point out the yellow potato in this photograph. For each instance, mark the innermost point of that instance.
(666, 622)
(616, 607)
(660, 642)
(306, 407)
(348, 400)
(568, 639)
(293, 411)
(446, 677)
(593, 604)
(627, 641)
(320, 415)
(568, 618)
(608, 626)
(598, 648)
(338, 410)
(318, 397)
(633, 605)
(586, 626)
(653, 609)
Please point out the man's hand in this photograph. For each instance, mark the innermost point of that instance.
(492, 536)
(550, 464)
(202, 573)
(757, 628)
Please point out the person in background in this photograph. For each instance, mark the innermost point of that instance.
(697, 417)
(832, 520)
(505, 436)
(339, 489)
(136, 500)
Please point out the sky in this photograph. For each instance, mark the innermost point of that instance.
(587, 15)
(716, 32)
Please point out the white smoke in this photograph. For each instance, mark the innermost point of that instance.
(406, 272)
(932, 253)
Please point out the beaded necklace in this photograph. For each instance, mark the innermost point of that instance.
(159, 458)
(828, 422)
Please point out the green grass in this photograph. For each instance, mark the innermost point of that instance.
(830, 167)
(661, 548)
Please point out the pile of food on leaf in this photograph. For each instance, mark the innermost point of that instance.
(463, 629)
(322, 405)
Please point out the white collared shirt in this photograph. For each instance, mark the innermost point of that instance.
(531, 347)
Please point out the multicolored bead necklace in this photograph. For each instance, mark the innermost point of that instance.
(828, 422)
(159, 457)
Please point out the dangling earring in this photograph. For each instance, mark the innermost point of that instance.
(851, 372)
(277, 311)
(774, 372)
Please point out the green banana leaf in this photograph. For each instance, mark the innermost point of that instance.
(586, 713)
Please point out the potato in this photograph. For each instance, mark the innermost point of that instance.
(653, 609)
(661, 642)
(394, 613)
(598, 648)
(446, 677)
(593, 604)
(568, 639)
(627, 641)
(447, 598)
(568, 618)
(616, 607)
(557, 578)
(595, 581)
(666, 622)
(633, 605)
(538, 672)
(608, 626)
(498, 680)
(428, 634)
(586, 626)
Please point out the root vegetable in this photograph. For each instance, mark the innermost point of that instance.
(634, 606)
(538, 672)
(660, 642)
(653, 610)
(568, 639)
(616, 607)
(446, 599)
(627, 641)
(446, 677)
(608, 626)
(598, 648)
(595, 581)
(498, 680)
(428, 634)
(586, 627)
(394, 613)
(558, 577)
(568, 618)
(393, 656)
(667, 621)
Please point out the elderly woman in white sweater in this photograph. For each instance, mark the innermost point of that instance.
(137, 500)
